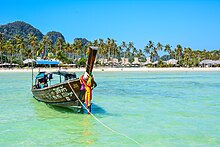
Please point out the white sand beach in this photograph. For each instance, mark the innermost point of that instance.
(109, 69)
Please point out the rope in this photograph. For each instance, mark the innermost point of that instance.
(104, 125)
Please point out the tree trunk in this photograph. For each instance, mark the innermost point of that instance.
(2, 59)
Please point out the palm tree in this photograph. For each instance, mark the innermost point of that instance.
(159, 46)
(152, 50)
(68, 48)
(123, 47)
(135, 52)
(147, 49)
(2, 42)
(33, 42)
(187, 56)
(193, 58)
(141, 55)
(108, 45)
(167, 49)
(113, 48)
(101, 45)
(77, 45)
(215, 55)
(95, 42)
(9, 47)
(20, 44)
(50, 47)
(59, 43)
(172, 54)
(47, 43)
(119, 50)
(178, 51)
(130, 47)
(204, 54)
(40, 50)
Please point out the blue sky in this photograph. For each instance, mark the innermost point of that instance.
(191, 23)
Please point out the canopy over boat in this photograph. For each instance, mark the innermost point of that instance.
(48, 62)
(67, 75)
(63, 73)
(41, 75)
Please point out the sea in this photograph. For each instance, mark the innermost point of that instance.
(150, 109)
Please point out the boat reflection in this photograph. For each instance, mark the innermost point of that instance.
(96, 109)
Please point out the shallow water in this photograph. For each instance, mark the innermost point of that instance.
(154, 108)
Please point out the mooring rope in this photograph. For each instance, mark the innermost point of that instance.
(104, 125)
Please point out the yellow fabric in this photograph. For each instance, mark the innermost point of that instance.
(89, 82)
(88, 93)
(88, 96)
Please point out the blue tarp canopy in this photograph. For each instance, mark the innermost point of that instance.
(40, 75)
(48, 62)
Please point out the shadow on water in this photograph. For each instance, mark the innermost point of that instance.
(64, 110)
(96, 109)
(40, 106)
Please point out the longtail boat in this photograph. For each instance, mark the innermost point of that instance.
(66, 92)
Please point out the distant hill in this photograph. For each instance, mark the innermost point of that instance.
(21, 28)
(54, 36)
(84, 40)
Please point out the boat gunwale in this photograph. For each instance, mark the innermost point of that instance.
(55, 85)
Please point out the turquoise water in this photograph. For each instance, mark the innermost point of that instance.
(154, 108)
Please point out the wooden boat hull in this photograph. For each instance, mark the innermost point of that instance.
(60, 94)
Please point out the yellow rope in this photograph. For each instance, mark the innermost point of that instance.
(104, 125)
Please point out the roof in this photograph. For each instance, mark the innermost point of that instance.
(94, 47)
(210, 62)
(40, 75)
(172, 61)
(63, 73)
(49, 62)
(26, 61)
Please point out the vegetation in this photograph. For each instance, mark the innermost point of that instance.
(16, 48)
(53, 36)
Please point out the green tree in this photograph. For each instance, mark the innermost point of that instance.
(135, 52)
(9, 47)
(2, 42)
(77, 46)
(47, 44)
(33, 42)
(178, 51)
(129, 49)
(167, 49)
(102, 48)
(113, 48)
(68, 49)
(153, 50)
(59, 43)
(21, 46)
(123, 48)
(108, 45)
(187, 56)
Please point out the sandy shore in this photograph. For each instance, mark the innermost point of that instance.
(105, 69)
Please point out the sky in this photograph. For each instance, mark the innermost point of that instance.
(191, 23)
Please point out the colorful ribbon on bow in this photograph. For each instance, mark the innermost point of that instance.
(88, 88)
